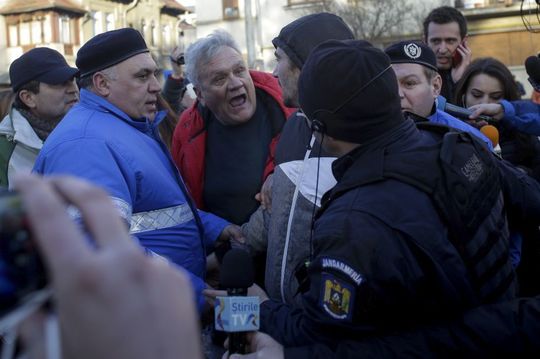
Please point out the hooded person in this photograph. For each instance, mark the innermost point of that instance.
(282, 225)
(382, 256)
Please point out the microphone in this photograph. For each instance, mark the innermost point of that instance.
(237, 313)
(463, 113)
(532, 66)
(492, 133)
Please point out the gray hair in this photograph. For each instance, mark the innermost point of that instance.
(87, 82)
(201, 52)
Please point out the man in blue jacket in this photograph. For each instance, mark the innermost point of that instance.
(109, 139)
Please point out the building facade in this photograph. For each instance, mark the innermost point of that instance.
(65, 25)
(496, 27)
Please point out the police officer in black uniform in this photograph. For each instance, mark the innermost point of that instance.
(386, 254)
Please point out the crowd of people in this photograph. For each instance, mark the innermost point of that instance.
(380, 225)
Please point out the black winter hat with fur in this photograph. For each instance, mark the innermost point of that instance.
(298, 38)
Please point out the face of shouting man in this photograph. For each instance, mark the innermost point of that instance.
(226, 88)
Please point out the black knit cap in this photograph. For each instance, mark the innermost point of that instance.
(108, 49)
(411, 52)
(298, 38)
(350, 87)
(41, 64)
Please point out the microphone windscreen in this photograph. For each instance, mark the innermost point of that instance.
(532, 66)
(492, 133)
(237, 269)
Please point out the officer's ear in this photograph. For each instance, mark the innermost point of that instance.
(436, 85)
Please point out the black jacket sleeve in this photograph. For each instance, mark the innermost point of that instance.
(380, 272)
(173, 92)
(521, 194)
(506, 329)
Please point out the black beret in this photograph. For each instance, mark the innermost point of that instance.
(298, 38)
(350, 87)
(108, 49)
(411, 52)
(41, 64)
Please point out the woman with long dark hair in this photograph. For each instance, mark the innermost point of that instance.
(487, 80)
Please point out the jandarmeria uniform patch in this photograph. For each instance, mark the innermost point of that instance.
(337, 297)
(330, 263)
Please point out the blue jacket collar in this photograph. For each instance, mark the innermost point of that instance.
(99, 103)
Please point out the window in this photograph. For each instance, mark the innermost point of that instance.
(144, 28)
(13, 35)
(24, 29)
(230, 9)
(97, 19)
(109, 22)
(166, 33)
(153, 33)
(65, 30)
(36, 32)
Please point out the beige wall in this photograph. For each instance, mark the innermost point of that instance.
(511, 48)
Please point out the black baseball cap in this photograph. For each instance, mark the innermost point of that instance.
(41, 64)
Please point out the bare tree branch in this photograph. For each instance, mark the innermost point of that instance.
(374, 20)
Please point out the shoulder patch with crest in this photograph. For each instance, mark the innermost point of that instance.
(337, 297)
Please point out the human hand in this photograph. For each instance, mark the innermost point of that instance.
(465, 54)
(212, 270)
(494, 110)
(112, 300)
(265, 195)
(261, 346)
(233, 233)
(176, 65)
(256, 291)
(253, 291)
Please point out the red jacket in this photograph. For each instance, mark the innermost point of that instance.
(189, 139)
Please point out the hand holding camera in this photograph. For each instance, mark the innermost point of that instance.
(177, 63)
(110, 298)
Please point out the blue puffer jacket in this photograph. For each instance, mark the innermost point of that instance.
(443, 118)
(100, 143)
(522, 115)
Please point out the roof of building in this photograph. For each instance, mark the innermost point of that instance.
(18, 7)
(173, 6)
